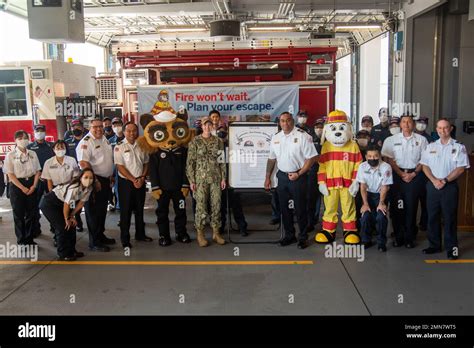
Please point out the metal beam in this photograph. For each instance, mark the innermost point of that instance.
(174, 10)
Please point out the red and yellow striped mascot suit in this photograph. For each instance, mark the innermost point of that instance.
(340, 158)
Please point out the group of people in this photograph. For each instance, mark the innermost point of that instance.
(401, 164)
(402, 167)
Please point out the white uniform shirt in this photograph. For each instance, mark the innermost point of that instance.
(98, 152)
(60, 173)
(23, 165)
(73, 193)
(131, 157)
(405, 151)
(292, 150)
(443, 159)
(374, 178)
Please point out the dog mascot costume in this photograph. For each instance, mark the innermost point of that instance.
(340, 158)
(165, 139)
(162, 104)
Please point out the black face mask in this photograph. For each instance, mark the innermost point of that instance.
(77, 132)
(373, 162)
(108, 129)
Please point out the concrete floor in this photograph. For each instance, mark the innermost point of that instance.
(328, 286)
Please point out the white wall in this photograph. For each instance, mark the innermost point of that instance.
(373, 77)
(343, 84)
(15, 43)
(86, 54)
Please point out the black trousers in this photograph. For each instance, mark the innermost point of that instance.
(235, 204)
(445, 202)
(404, 205)
(179, 206)
(96, 212)
(132, 200)
(52, 208)
(313, 195)
(41, 189)
(424, 211)
(24, 211)
(293, 197)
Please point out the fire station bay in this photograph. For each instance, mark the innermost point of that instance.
(236, 157)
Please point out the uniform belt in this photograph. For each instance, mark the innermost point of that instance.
(27, 179)
(290, 172)
(406, 170)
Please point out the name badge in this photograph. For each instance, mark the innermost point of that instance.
(397, 144)
(126, 151)
(54, 166)
(97, 146)
(433, 151)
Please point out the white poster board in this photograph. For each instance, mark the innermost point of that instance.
(249, 148)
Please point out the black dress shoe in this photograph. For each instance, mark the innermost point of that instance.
(127, 245)
(310, 228)
(164, 241)
(367, 245)
(80, 229)
(431, 250)
(451, 256)
(287, 241)
(397, 244)
(274, 221)
(410, 245)
(382, 248)
(78, 254)
(101, 248)
(108, 241)
(302, 244)
(244, 233)
(145, 239)
(67, 258)
(183, 238)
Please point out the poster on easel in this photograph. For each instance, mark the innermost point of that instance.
(248, 151)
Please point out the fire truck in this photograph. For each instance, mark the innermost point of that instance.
(311, 64)
(47, 92)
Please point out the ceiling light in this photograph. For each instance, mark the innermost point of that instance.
(180, 30)
(271, 28)
(356, 27)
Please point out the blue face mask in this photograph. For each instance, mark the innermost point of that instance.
(108, 129)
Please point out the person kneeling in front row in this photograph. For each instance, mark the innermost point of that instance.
(60, 207)
(374, 176)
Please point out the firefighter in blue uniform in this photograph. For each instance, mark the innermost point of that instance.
(77, 133)
(44, 151)
(381, 131)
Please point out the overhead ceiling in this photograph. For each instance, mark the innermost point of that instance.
(125, 22)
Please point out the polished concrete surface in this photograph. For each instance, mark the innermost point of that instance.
(399, 281)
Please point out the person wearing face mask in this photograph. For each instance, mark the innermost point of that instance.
(95, 152)
(394, 127)
(23, 169)
(78, 125)
(317, 134)
(117, 127)
(60, 207)
(44, 151)
(108, 130)
(58, 170)
(420, 128)
(367, 123)
(77, 133)
(363, 140)
(375, 178)
(381, 131)
(302, 122)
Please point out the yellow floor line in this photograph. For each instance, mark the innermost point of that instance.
(449, 261)
(157, 263)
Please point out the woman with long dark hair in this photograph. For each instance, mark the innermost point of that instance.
(60, 207)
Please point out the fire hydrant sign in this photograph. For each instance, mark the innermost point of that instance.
(235, 103)
(249, 148)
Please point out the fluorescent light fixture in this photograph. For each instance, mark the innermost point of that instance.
(180, 30)
(356, 27)
(271, 28)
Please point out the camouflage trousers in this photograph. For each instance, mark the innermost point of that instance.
(205, 194)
